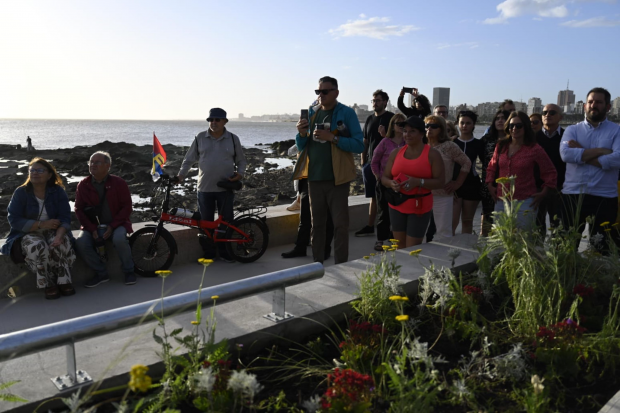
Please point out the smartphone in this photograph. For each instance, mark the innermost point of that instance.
(400, 178)
(408, 89)
(304, 114)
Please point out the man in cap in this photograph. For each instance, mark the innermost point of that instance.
(220, 157)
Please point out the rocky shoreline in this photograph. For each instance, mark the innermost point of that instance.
(264, 185)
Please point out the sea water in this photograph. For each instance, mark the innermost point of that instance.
(60, 133)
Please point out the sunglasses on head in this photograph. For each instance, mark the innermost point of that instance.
(432, 126)
(515, 125)
(549, 112)
(322, 91)
(214, 120)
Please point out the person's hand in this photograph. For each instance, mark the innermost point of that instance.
(574, 144)
(538, 198)
(382, 131)
(49, 224)
(323, 135)
(395, 185)
(302, 126)
(402, 92)
(107, 232)
(492, 191)
(236, 176)
(451, 187)
(95, 235)
(57, 241)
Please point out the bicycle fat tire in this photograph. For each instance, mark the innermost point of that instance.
(259, 240)
(164, 254)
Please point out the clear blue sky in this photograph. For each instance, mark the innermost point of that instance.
(176, 59)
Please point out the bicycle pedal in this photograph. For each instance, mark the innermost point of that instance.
(202, 235)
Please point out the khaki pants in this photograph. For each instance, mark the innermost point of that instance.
(326, 196)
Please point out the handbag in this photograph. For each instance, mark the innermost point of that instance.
(17, 255)
(397, 198)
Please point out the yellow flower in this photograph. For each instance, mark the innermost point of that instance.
(402, 317)
(195, 323)
(392, 249)
(395, 297)
(139, 381)
(205, 261)
(537, 383)
(215, 297)
(615, 224)
(372, 254)
(394, 241)
(385, 247)
(404, 298)
(604, 224)
(502, 180)
(366, 257)
(607, 229)
(415, 252)
(163, 273)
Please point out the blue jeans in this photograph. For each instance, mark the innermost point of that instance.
(526, 217)
(85, 246)
(207, 202)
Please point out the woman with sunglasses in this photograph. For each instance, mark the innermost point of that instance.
(451, 154)
(537, 124)
(517, 157)
(40, 219)
(495, 133)
(393, 139)
(413, 170)
(468, 196)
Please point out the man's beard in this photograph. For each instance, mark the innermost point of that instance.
(596, 117)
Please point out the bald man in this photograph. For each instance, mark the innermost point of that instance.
(549, 138)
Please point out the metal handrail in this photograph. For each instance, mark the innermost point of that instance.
(33, 340)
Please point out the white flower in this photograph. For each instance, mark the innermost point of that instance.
(204, 379)
(244, 383)
(460, 389)
(597, 239)
(338, 364)
(313, 404)
(537, 383)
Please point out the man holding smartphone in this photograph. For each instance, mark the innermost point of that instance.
(326, 159)
(372, 137)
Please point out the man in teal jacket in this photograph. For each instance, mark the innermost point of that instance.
(327, 143)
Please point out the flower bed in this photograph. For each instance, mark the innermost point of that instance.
(536, 328)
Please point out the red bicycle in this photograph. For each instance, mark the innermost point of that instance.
(153, 247)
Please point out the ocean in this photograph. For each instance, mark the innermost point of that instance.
(61, 133)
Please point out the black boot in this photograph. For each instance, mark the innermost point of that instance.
(295, 252)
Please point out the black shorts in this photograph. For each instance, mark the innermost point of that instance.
(471, 190)
(369, 181)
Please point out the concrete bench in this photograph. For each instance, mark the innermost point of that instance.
(282, 230)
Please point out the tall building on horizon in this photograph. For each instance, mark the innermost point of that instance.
(534, 105)
(441, 96)
(521, 107)
(566, 97)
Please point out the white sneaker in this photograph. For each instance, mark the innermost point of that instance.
(295, 206)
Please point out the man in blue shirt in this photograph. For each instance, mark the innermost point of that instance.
(591, 150)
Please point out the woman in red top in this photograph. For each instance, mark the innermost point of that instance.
(413, 169)
(517, 156)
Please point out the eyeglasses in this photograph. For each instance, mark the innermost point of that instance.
(515, 125)
(549, 112)
(322, 91)
(34, 171)
(214, 120)
(432, 126)
(95, 163)
(535, 122)
(376, 101)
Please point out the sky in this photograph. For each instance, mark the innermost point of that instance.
(75, 59)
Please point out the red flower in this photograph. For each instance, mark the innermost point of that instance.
(471, 290)
(347, 387)
(583, 291)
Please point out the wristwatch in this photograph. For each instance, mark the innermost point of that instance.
(335, 140)
(421, 182)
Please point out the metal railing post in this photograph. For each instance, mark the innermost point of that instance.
(278, 307)
(74, 376)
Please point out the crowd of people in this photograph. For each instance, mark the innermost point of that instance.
(424, 176)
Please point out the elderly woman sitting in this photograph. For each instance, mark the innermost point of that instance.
(40, 216)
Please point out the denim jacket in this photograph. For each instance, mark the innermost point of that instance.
(24, 209)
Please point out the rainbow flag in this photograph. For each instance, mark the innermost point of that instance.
(159, 159)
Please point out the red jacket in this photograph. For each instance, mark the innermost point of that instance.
(119, 201)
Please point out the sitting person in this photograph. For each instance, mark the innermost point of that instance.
(104, 199)
(40, 219)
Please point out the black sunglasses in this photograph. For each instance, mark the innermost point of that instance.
(549, 112)
(515, 125)
(432, 126)
(323, 91)
(214, 120)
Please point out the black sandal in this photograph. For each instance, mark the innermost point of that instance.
(52, 293)
(66, 289)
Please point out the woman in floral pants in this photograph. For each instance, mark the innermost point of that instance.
(40, 218)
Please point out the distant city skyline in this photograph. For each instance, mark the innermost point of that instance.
(156, 59)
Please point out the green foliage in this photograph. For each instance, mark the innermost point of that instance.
(376, 285)
(9, 397)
